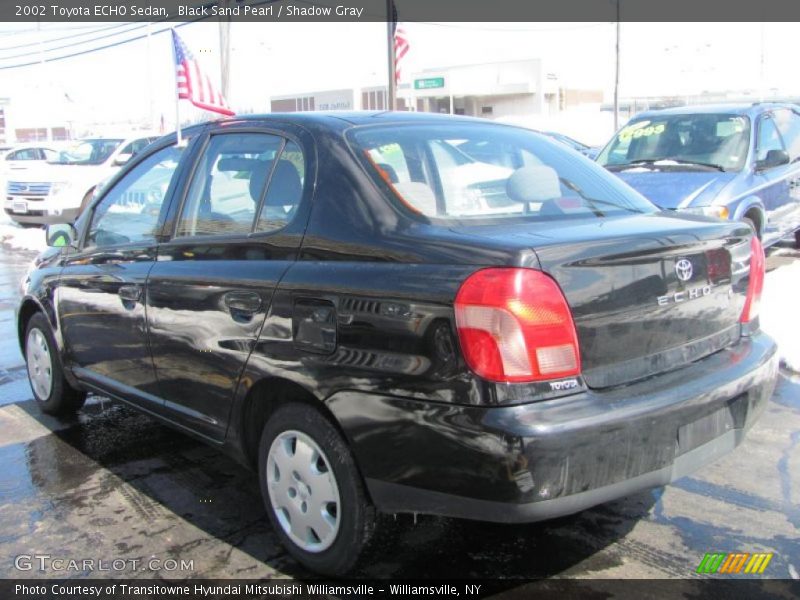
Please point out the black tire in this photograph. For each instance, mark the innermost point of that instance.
(797, 239)
(62, 398)
(357, 517)
(752, 224)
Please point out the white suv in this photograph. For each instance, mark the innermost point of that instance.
(57, 191)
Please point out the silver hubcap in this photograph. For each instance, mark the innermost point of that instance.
(40, 365)
(303, 491)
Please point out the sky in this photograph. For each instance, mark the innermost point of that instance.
(135, 81)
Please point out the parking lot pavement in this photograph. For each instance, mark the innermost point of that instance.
(112, 484)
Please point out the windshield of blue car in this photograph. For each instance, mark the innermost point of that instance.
(474, 172)
(702, 140)
(87, 152)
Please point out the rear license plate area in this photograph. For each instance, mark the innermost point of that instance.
(705, 429)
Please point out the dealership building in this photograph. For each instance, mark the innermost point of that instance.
(491, 90)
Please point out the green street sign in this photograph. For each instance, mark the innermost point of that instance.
(429, 83)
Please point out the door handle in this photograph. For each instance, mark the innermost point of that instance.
(130, 293)
(242, 303)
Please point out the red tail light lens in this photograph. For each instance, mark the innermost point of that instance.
(515, 325)
(756, 283)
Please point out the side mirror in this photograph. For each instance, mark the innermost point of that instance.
(61, 235)
(774, 158)
(122, 159)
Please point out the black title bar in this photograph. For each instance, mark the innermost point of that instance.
(407, 10)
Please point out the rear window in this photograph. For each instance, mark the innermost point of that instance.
(483, 171)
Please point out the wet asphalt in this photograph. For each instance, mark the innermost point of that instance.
(112, 484)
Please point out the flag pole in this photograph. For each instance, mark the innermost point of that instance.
(177, 96)
(391, 17)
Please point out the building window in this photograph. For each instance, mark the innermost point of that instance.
(373, 100)
(305, 103)
(486, 110)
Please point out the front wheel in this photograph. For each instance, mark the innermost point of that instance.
(313, 492)
(46, 375)
(752, 224)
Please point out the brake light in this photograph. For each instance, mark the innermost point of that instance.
(756, 282)
(514, 325)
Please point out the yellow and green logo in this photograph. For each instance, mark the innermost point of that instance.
(734, 562)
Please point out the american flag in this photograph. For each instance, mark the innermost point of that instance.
(401, 47)
(193, 84)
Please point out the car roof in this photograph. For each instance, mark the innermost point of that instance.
(363, 117)
(29, 145)
(750, 109)
(125, 138)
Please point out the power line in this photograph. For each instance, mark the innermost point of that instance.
(72, 28)
(73, 44)
(142, 23)
(90, 50)
(66, 37)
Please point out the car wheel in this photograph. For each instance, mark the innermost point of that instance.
(797, 239)
(46, 375)
(313, 492)
(752, 224)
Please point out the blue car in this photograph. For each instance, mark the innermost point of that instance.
(730, 161)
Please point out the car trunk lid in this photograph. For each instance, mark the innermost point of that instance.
(648, 293)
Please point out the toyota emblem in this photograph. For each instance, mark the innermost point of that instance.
(683, 269)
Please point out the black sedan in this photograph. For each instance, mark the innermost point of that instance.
(378, 321)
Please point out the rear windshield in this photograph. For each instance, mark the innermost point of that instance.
(484, 171)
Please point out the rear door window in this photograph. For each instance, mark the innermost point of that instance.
(769, 138)
(228, 184)
(788, 123)
(284, 189)
(26, 154)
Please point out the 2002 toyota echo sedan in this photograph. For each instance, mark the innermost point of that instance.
(397, 312)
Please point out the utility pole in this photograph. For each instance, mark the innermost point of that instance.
(616, 76)
(762, 84)
(225, 49)
(150, 102)
(391, 18)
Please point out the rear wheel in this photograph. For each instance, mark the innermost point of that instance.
(50, 389)
(313, 492)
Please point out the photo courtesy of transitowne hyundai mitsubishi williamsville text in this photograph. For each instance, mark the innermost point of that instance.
(403, 312)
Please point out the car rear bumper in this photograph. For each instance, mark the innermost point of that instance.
(555, 457)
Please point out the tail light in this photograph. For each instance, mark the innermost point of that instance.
(756, 282)
(514, 325)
